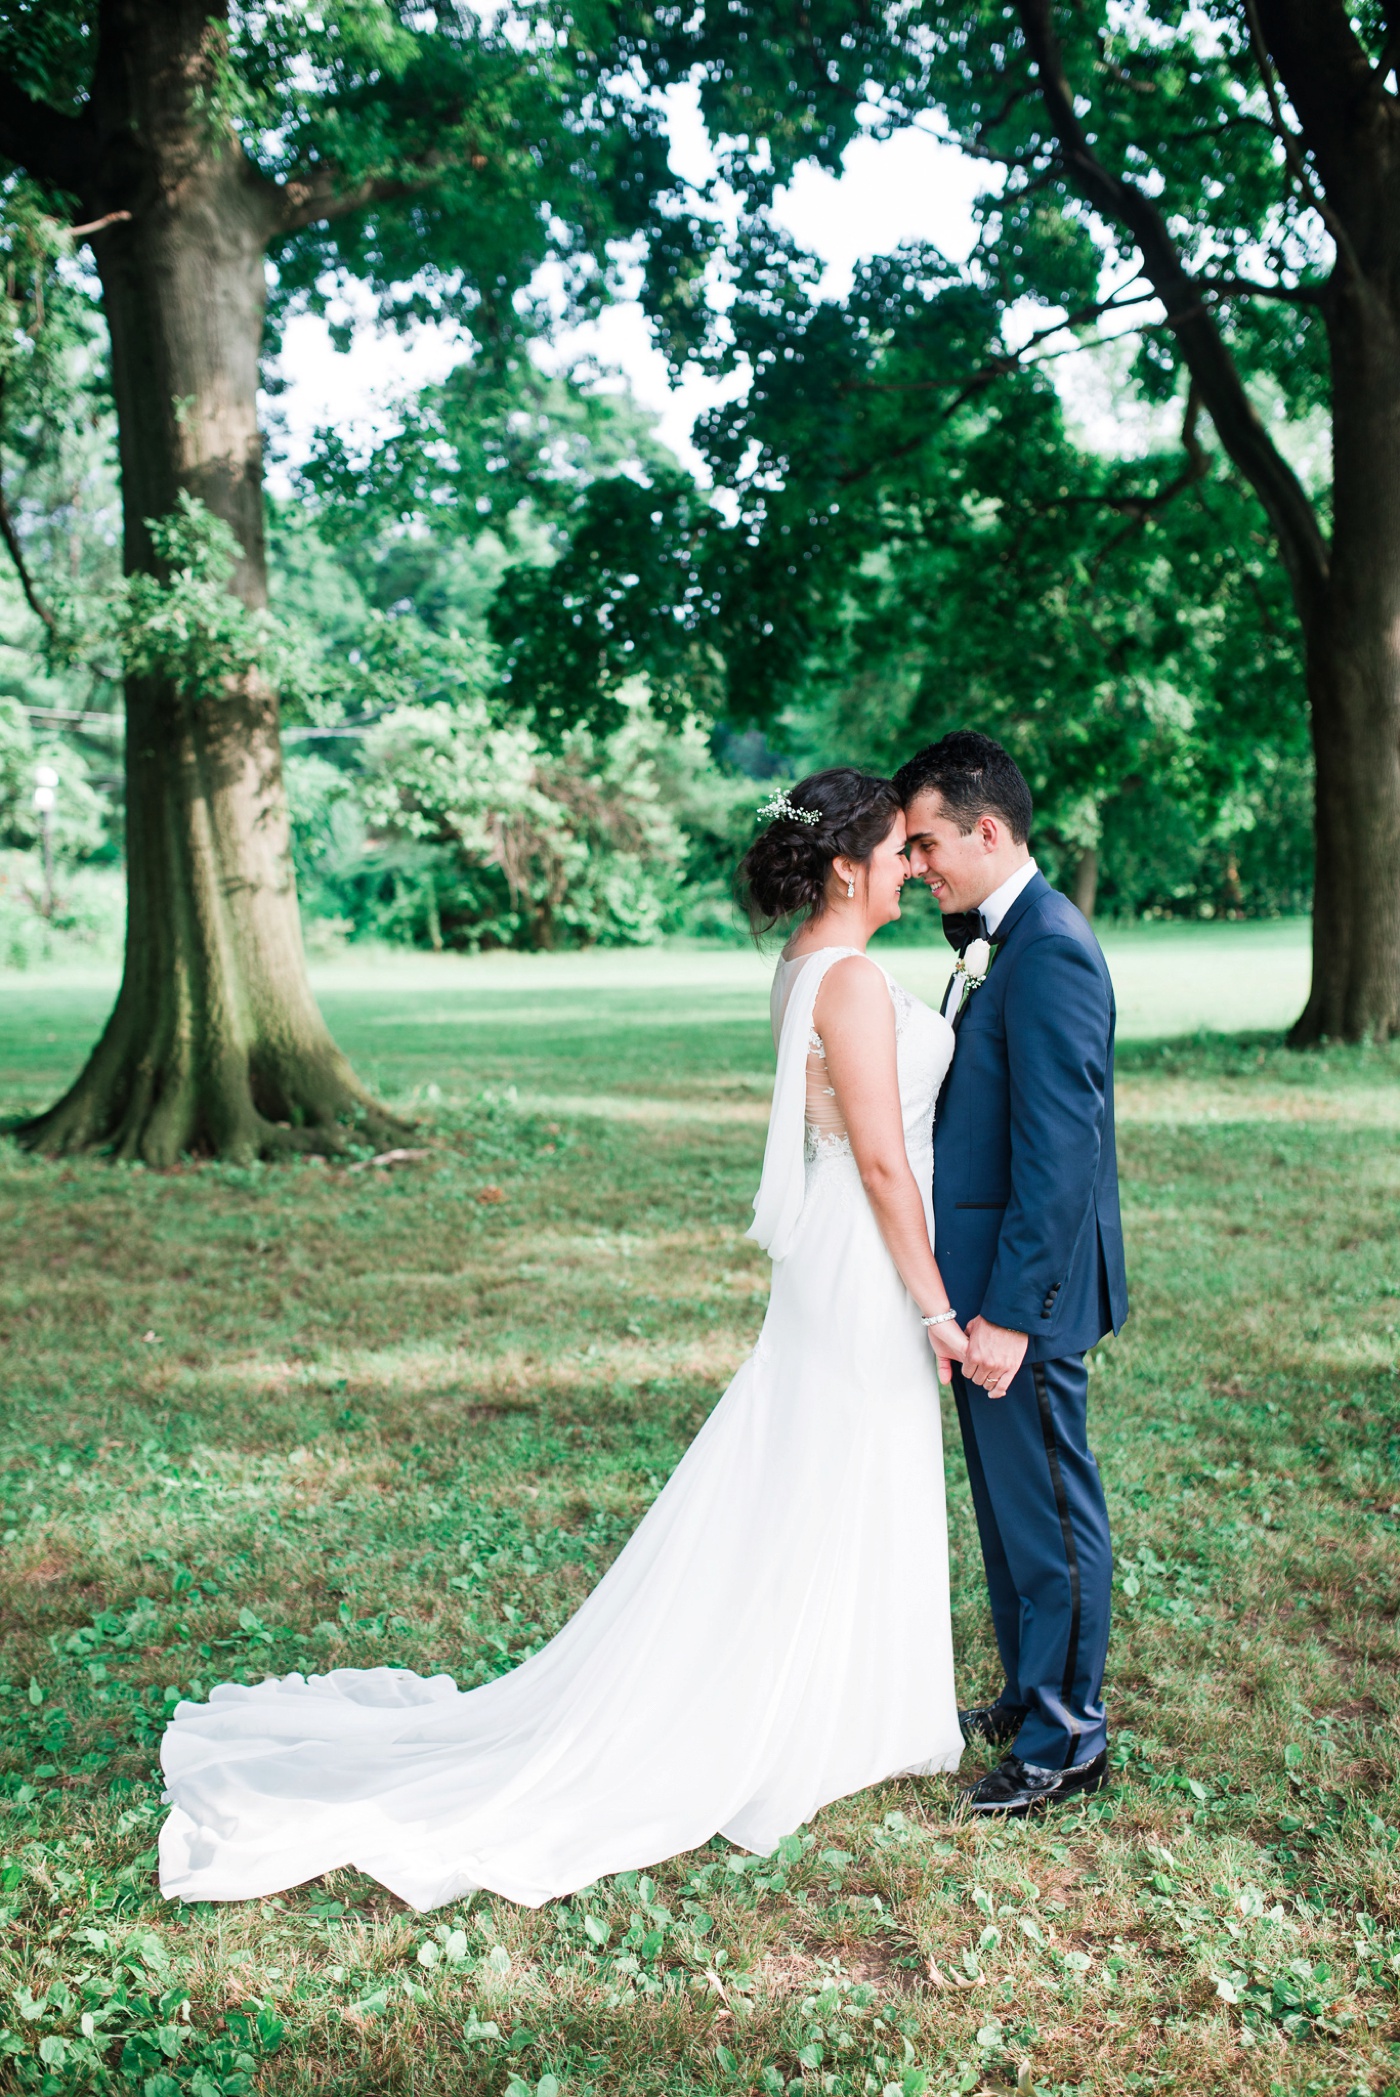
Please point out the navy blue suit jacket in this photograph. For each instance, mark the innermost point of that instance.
(1025, 1183)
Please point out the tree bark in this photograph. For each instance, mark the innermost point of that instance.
(1085, 893)
(1353, 659)
(215, 1043)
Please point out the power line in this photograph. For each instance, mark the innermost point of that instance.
(112, 724)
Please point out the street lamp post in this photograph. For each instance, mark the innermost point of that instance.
(45, 801)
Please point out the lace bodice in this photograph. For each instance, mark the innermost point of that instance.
(923, 1050)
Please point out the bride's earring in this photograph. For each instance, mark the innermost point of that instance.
(851, 885)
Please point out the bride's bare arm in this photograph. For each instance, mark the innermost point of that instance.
(855, 1018)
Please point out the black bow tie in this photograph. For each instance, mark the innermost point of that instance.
(961, 927)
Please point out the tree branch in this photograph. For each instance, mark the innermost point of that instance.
(1202, 348)
(975, 148)
(45, 142)
(1139, 509)
(98, 225)
(12, 546)
(1292, 147)
(1017, 359)
(1389, 60)
(1249, 288)
(26, 581)
(317, 196)
(975, 383)
(1346, 118)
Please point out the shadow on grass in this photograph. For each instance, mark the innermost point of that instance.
(1255, 1054)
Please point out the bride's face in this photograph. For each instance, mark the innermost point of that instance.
(883, 875)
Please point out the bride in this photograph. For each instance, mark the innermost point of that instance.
(776, 1633)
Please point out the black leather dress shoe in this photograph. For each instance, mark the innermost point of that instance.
(1015, 1787)
(993, 1723)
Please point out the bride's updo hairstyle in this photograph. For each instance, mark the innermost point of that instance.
(842, 813)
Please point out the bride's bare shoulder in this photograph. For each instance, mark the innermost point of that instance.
(852, 989)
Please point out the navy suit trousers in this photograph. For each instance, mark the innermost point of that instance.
(1044, 1530)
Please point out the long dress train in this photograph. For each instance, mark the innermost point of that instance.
(774, 1636)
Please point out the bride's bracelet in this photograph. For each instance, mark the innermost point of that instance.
(941, 1317)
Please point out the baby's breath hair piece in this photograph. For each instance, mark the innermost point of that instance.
(779, 805)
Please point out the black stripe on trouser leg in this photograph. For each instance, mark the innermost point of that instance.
(1052, 1453)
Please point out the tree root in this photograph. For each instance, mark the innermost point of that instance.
(134, 1101)
(66, 1130)
(1327, 1020)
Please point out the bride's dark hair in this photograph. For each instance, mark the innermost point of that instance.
(843, 812)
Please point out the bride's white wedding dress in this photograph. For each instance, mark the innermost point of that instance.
(774, 1636)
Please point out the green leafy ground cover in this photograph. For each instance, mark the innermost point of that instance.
(298, 1416)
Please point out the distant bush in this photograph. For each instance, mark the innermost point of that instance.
(79, 826)
(88, 910)
(457, 830)
(88, 917)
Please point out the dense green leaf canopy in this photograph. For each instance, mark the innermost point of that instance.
(438, 154)
(908, 533)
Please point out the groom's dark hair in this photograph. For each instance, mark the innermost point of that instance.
(974, 777)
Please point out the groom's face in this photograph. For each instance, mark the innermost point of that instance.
(959, 867)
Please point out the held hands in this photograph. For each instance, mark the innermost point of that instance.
(993, 1354)
(949, 1344)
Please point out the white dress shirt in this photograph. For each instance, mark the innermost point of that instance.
(1001, 899)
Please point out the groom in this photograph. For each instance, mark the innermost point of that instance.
(1029, 1243)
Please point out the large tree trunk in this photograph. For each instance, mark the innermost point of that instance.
(215, 1043)
(1354, 688)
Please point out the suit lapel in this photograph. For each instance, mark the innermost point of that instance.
(1034, 889)
(1036, 886)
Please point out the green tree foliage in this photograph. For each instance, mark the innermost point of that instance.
(919, 543)
(1119, 623)
(498, 797)
(1231, 176)
(628, 591)
(435, 153)
(476, 834)
(433, 798)
(912, 539)
(58, 496)
(77, 826)
(41, 906)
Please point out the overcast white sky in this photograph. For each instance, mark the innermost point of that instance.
(904, 188)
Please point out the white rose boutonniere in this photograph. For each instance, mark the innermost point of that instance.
(975, 962)
(969, 974)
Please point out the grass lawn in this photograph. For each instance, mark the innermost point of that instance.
(299, 1416)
